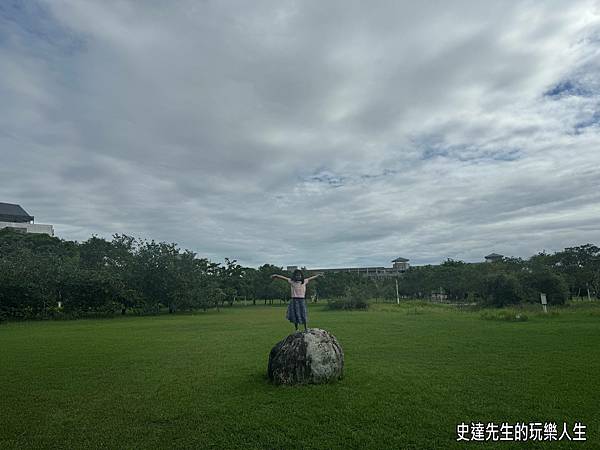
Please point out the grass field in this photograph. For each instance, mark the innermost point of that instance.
(413, 372)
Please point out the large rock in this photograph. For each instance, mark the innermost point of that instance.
(312, 356)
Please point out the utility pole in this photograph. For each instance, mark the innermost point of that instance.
(397, 295)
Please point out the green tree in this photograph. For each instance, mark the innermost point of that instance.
(545, 281)
(502, 289)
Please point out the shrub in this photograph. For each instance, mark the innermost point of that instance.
(354, 298)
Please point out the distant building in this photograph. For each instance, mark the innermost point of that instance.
(439, 295)
(291, 268)
(16, 218)
(400, 265)
(493, 257)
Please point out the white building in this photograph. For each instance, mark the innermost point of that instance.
(401, 263)
(16, 218)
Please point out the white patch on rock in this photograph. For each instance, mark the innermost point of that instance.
(323, 352)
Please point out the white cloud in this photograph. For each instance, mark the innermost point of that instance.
(326, 134)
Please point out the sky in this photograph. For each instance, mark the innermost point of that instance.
(313, 133)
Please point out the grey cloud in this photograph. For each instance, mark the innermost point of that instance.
(324, 134)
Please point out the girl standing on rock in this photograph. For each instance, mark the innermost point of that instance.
(296, 311)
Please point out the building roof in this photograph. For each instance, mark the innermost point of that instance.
(400, 259)
(493, 256)
(10, 212)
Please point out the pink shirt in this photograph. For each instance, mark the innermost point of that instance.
(298, 289)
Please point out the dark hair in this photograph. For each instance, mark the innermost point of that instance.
(298, 275)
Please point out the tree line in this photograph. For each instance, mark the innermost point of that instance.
(43, 276)
(571, 273)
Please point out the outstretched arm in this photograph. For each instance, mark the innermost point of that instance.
(313, 277)
(281, 277)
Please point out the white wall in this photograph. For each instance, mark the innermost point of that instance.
(30, 227)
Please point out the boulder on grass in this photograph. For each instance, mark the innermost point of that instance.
(306, 357)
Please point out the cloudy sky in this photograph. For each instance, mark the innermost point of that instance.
(318, 133)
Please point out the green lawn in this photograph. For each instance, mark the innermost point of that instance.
(412, 374)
